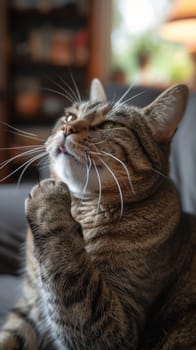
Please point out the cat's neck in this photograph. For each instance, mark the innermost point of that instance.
(158, 213)
(92, 215)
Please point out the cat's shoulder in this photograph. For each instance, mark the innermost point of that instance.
(190, 220)
(188, 225)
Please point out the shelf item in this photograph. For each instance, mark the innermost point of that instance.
(65, 47)
(27, 100)
(48, 47)
(48, 6)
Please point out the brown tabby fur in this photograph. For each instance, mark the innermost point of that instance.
(109, 257)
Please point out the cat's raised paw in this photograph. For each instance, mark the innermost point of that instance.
(48, 202)
(49, 189)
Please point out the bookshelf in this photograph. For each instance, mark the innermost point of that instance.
(46, 48)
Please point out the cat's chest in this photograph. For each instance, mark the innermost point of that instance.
(94, 219)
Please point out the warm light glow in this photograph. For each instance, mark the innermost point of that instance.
(191, 48)
(182, 9)
(182, 31)
(181, 24)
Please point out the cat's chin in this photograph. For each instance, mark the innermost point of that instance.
(74, 175)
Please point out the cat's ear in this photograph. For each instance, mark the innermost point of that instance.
(97, 93)
(164, 114)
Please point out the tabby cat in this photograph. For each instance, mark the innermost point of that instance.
(109, 254)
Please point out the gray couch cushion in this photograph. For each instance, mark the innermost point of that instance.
(183, 157)
(10, 291)
(12, 226)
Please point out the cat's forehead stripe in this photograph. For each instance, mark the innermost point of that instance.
(86, 110)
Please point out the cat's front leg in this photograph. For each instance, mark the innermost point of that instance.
(81, 310)
(58, 246)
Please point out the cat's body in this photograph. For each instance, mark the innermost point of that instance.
(118, 272)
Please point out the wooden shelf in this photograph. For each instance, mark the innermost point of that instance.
(40, 64)
(68, 12)
(18, 63)
(36, 120)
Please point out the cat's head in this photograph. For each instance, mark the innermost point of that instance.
(98, 147)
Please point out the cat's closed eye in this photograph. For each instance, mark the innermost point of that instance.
(109, 124)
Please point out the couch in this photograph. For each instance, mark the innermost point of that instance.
(12, 237)
(12, 219)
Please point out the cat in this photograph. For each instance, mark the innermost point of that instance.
(109, 253)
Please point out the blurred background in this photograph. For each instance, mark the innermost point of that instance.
(49, 52)
(51, 49)
(145, 48)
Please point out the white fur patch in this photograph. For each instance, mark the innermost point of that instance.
(75, 176)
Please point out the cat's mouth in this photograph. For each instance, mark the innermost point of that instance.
(62, 149)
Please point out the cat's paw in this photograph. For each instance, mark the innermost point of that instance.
(7, 341)
(18, 334)
(48, 204)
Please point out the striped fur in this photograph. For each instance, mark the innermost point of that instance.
(109, 255)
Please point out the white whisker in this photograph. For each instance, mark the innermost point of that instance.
(29, 152)
(117, 183)
(42, 162)
(19, 130)
(132, 98)
(25, 136)
(113, 100)
(20, 167)
(67, 93)
(67, 98)
(71, 92)
(124, 95)
(118, 160)
(19, 147)
(124, 166)
(75, 86)
(22, 133)
(159, 173)
(88, 168)
(28, 163)
(100, 187)
(97, 143)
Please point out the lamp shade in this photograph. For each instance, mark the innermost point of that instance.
(181, 23)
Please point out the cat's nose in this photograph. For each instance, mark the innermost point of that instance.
(68, 129)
